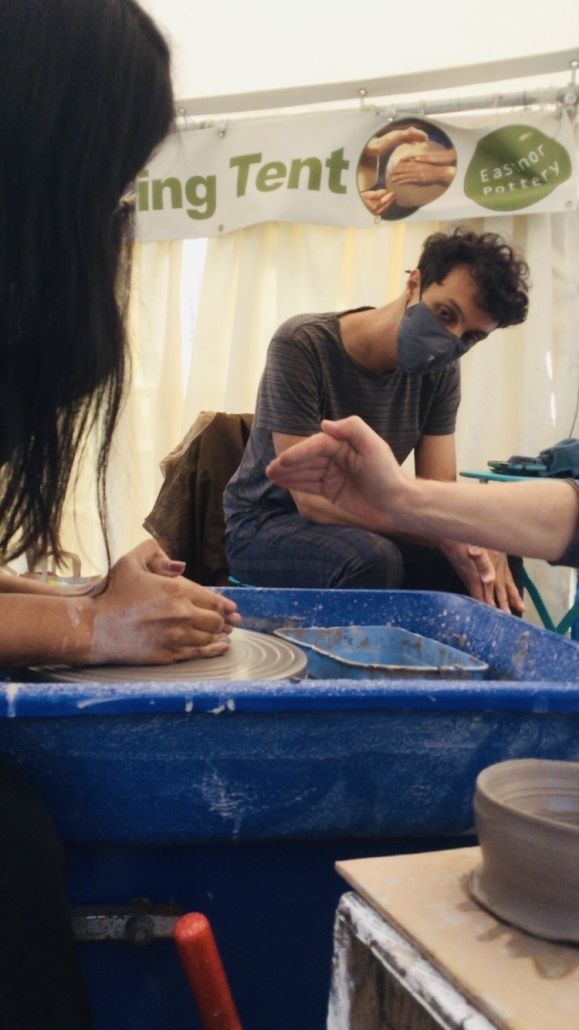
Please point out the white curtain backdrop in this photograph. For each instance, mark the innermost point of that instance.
(152, 416)
(519, 387)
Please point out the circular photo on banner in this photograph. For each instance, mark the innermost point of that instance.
(407, 164)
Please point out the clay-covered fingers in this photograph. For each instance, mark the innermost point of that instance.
(156, 561)
(180, 633)
(207, 651)
(203, 620)
(150, 556)
(213, 602)
(161, 565)
(154, 617)
(199, 632)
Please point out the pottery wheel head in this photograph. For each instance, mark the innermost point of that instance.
(251, 656)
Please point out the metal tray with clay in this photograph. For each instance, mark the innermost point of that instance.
(368, 652)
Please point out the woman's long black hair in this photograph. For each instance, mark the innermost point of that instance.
(85, 97)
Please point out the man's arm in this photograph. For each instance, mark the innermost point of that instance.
(537, 519)
(435, 458)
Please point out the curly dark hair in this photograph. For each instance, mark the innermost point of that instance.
(501, 274)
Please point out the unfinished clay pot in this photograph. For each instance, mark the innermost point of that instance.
(527, 818)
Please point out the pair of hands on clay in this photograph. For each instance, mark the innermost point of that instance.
(146, 611)
(439, 166)
(143, 612)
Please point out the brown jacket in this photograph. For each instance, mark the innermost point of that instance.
(187, 517)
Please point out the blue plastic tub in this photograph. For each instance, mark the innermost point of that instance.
(236, 798)
(379, 652)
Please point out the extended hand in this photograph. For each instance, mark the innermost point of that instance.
(348, 464)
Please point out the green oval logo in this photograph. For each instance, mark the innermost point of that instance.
(515, 167)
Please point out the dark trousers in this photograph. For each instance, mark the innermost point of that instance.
(41, 987)
(290, 551)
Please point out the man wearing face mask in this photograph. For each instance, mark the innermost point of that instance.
(397, 368)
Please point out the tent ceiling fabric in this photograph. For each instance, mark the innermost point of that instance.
(233, 48)
(502, 78)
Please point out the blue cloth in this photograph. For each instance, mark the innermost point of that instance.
(562, 459)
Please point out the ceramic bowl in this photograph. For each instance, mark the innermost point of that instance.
(527, 819)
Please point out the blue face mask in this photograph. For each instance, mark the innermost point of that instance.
(424, 345)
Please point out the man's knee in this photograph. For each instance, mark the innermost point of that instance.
(377, 565)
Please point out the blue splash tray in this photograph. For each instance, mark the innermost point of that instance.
(379, 652)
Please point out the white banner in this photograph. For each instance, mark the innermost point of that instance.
(353, 169)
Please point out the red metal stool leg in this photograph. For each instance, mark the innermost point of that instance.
(200, 957)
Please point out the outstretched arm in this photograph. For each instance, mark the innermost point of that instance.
(351, 466)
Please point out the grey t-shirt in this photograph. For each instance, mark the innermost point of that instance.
(309, 376)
